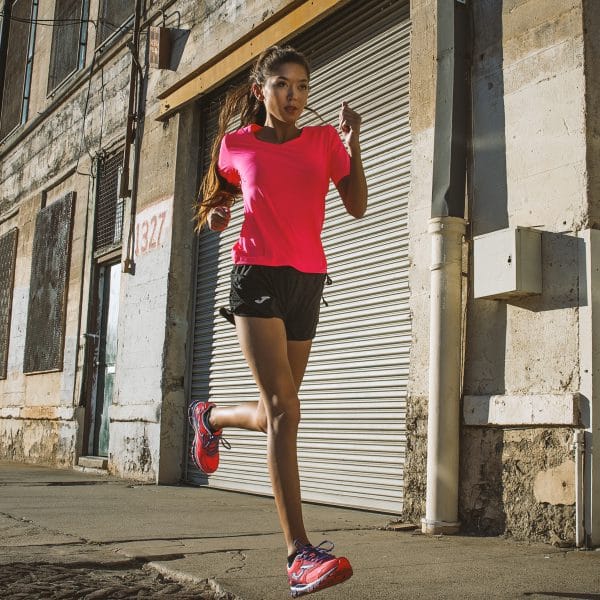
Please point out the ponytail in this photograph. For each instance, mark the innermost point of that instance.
(215, 190)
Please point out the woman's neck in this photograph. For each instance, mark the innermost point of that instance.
(278, 132)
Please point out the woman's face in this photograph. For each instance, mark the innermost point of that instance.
(285, 93)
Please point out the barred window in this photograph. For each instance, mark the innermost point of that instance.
(8, 254)
(46, 313)
(113, 14)
(109, 207)
(18, 36)
(69, 39)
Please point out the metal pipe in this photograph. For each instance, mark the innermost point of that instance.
(579, 448)
(447, 228)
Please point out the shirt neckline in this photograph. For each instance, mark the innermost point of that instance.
(255, 128)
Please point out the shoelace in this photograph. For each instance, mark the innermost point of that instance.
(211, 445)
(319, 553)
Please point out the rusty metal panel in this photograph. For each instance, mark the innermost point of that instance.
(8, 254)
(16, 66)
(109, 207)
(44, 340)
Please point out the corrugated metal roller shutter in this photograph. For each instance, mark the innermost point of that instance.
(352, 436)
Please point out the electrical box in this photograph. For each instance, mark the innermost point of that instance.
(159, 47)
(507, 263)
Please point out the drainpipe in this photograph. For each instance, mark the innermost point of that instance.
(579, 448)
(447, 228)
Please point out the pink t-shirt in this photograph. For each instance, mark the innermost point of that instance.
(284, 188)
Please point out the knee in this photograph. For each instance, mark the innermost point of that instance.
(284, 415)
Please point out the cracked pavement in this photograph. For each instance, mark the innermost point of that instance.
(89, 536)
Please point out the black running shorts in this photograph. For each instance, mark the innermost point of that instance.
(281, 292)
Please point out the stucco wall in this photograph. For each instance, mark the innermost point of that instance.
(529, 169)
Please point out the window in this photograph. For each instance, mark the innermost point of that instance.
(69, 39)
(17, 50)
(8, 254)
(46, 314)
(113, 14)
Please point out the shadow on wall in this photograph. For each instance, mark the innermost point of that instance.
(488, 211)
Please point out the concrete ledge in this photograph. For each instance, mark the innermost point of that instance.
(93, 462)
(541, 409)
(147, 413)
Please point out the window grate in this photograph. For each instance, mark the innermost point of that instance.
(109, 207)
(46, 314)
(8, 254)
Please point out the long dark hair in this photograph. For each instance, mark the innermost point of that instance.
(215, 190)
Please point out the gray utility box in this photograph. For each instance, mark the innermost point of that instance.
(507, 263)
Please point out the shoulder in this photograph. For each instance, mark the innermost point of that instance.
(239, 135)
(324, 134)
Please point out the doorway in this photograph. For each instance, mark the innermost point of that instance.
(103, 341)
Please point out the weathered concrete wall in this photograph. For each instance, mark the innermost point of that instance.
(591, 28)
(38, 412)
(422, 119)
(529, 169)
(518, 482)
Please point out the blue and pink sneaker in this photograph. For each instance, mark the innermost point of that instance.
(205, 447)
(314, 568)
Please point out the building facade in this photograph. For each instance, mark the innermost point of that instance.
(453, 378)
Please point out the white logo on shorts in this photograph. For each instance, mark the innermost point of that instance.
(262, 299)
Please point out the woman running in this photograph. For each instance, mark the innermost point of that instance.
(282, 173)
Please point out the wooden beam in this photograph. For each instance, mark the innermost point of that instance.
(213, 74)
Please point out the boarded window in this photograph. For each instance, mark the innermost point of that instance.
(8, 254)
(109, 207)
(68, 40)
(44, 340)
(113, 14)
(19, 57)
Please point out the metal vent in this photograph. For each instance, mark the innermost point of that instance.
(16, 65)
(44, 339)
(66, 40)
(8, 254)
(109, 207)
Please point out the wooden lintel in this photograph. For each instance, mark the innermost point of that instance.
(207, 79)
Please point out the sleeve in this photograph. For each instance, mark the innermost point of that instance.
(339, 160)
(225, 164)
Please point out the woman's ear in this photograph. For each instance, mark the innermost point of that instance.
(257, 91)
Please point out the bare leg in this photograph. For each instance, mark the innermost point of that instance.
(270, 357)
(252, 415)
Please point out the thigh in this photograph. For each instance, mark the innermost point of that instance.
(265, 347)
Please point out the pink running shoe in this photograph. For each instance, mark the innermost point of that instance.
(205, 447)
(315, 569)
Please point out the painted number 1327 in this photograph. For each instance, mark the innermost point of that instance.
(148, 232)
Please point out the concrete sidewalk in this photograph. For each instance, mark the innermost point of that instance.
(234, 540)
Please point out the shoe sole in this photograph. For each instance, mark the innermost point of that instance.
(329, 579)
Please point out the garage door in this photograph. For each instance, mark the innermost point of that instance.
(352, 436)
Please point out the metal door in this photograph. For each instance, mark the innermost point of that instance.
(105, 356)
(352, 437)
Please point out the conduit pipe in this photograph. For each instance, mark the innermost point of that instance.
(579, 448)
(447, 229)
(445, 354)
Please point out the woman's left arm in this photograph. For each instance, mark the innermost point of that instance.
(353, 187)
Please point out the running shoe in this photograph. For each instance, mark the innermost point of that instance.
(315, 569)
(205, 447)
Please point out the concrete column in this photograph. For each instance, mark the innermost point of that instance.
(441, 507)
(589, 361)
